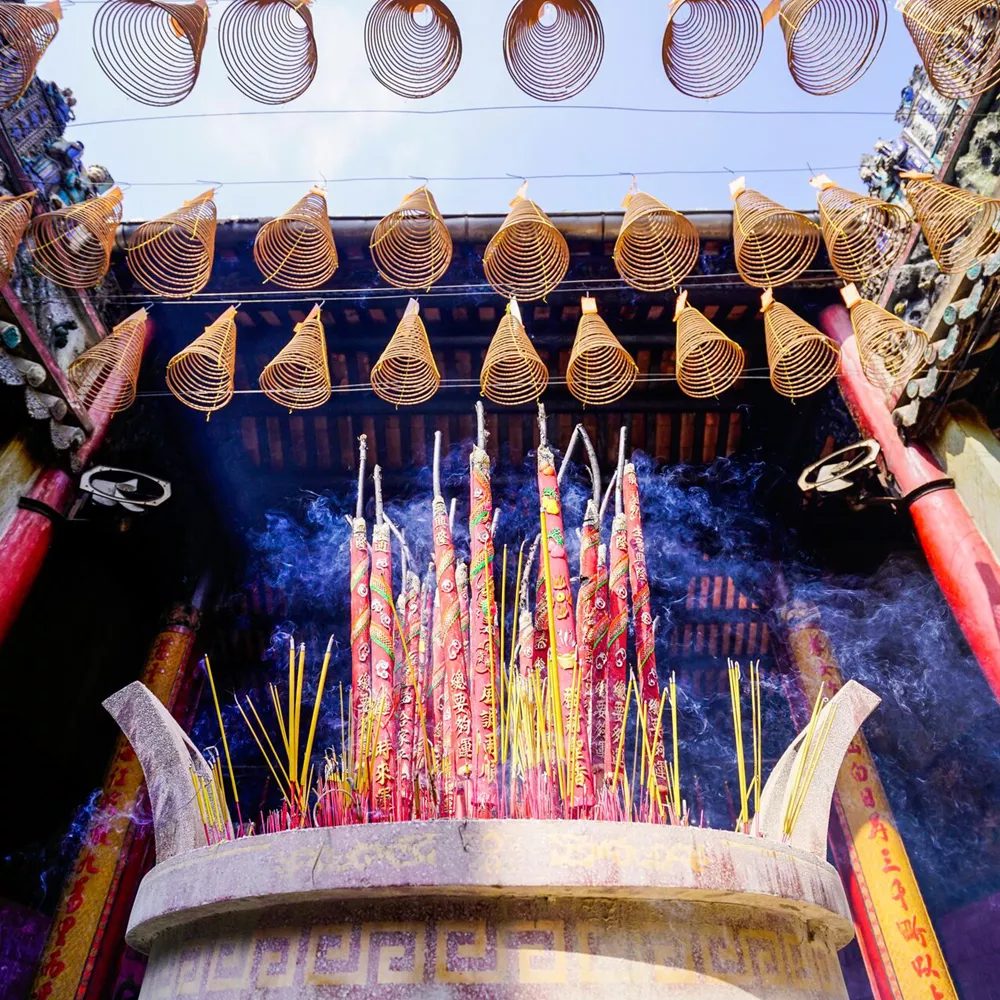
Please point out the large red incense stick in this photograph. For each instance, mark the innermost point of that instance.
(408, 721)
(424, 733)
(617, 668)
(599, 694)
(436, 695)
(360, 610)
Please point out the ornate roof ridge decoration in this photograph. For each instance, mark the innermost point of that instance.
(297, 249)
(600, 370)
(202, 375)
(732, 29)
(512, 373)
(269, 48)
(27, 32)
(657, 248)
(298, 377)
(413, 48)
(406, 373)
(802, 359)
(708, 362)
(149, 49)
(172, 256)
(553, 48)
(72, 246)
(15, 214)
(411, 246)
(106, 374)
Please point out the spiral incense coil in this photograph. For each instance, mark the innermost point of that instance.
(269, 48)
(151, 51)
(708, 362)
(892, 351)
(710, 46)
(172, 255)
(202, 375)
(414, 47)
(958, 42)
(961, 227)
(802, 360)
(553, 48)
(105, 376)
(406, 374)
(513, 373)
(296, 250)
(26, 33)
(657, 248)
(411, 247)
(600, 370)
(831, 44)
(72, 246)
(773, 244)
(527, 256)
(15, 214)
(298, 377)
(865, 237)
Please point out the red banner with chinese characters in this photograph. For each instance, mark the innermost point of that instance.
(599, 699)
(383, 659)
(360, 626)
(617, 668)
(586, 626)
(407, 721)
(908, 946)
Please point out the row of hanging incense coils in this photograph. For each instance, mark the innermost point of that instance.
(152, 50)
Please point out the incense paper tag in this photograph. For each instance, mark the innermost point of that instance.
(522, 193)
(55, 9)
(632, 192)
(515, 310)
(849, 293)
(588, 306)
(915, 175)
(737, 187)
(680, 305)
(770, 11)
(766, 300)
(316, 189)
(412, 308)
(822, 182)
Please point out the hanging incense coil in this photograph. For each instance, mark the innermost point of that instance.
(269, 48)
(172, 255)
(865, 237)
(958, 42)
(72, 246)
(801, 358)
(600, 370)
(105, 376)
(202, 375)
(513, 373)
(710, 46)
(892, 351)
(297, 250)
(773, 245)
(657, 248)
(553, 48)
(151, 51)
(406, 374)
(831, 44)
(414, 47)
(528, 256)
(26, 33)
(298, 377)
(708, 362)
(15, 214)
(961, 227)
(411, 247)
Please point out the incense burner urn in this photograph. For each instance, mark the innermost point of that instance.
(568, 910)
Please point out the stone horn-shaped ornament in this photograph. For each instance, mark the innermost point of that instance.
(168, 758)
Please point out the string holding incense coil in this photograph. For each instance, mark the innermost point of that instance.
(708, 362)
(600, 370)
(298, 377)
(553, 48)
(72, 246)
(269, 48)
(15, 214)
(865, 237)
(172, 255)
(150, 50)
(958, 42)
(528, 256)
(961, 227)
(657, 248)
(411, 247)
(106, 374)
(202, 375)
(414, 47)
(513, 373)
(801, 358)
(406, 373)
(297, 249)
(710, 46)
(892, 351)
(831, 44)
(773, 245)
(26, 33)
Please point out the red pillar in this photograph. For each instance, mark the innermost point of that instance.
(964, 565)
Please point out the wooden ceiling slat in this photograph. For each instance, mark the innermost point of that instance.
(642, 359)
(493, 435)
(275, 452)
(297, 433)
(564, 431)
(711, 437)
(393, 443)
(735, 432)
(515, 439)
(321, 430)
(686, 452)
(613, 423)
(368, 425)
(418, 440)
(345, 434)
(637, 432)
(664, 437)
(251, 441)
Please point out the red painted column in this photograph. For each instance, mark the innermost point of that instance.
(964, 565)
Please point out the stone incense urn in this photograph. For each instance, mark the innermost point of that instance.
(447, 909)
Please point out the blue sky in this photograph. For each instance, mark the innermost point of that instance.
(551, 140)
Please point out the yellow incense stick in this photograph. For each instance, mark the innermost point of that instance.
(253, 708)
(677, 755)
(222, 729)
(553, 659)
(315, 714)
